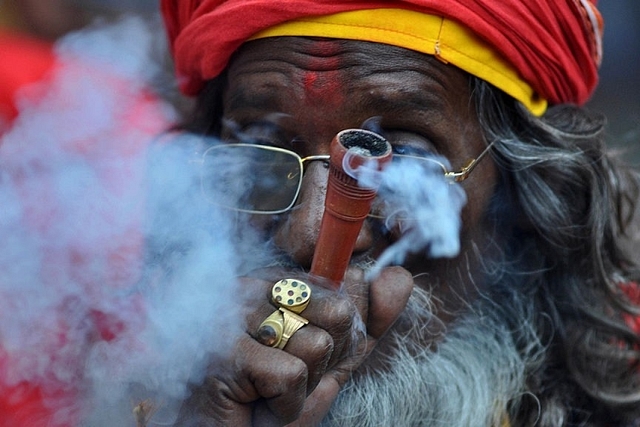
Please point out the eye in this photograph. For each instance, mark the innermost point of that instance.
(409, 143)
(408, 150)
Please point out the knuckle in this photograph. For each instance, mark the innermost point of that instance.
(323, 343)
(341, 314)
(342, 310)
(297, 375)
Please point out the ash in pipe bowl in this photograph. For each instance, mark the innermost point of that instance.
(362, 147)
(364, 142)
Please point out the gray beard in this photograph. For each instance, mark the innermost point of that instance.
(468, 380)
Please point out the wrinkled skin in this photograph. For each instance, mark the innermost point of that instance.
(317, 88)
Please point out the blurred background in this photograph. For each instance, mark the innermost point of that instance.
(618, 95)
(51, 19)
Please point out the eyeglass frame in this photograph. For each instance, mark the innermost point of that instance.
(452, 177)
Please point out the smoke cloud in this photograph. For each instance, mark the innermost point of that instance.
(113, 265)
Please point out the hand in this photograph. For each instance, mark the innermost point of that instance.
(257, 385)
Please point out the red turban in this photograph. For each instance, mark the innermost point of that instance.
(554, 46)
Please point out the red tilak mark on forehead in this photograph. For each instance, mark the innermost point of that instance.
(323, 80)
(310, 78)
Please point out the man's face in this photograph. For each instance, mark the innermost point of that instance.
(310, 89)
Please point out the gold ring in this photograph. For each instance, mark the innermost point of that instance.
(292, 296)
(276, 329)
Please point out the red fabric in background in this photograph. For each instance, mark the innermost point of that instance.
(24, 60)
(548, 41)
(632, 291)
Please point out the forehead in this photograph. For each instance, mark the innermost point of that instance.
(330, 68)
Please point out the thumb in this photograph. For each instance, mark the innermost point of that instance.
(318, 403)
(388, 296)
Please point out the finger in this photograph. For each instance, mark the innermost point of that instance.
(255, 373)
(284, 387)
(337, 314)
(208, 405)
(329, 311)
(314, 347)
(327, 338)
(356, 286)
(318, 404)
(311, 344)
(388, 296)
(263, 417)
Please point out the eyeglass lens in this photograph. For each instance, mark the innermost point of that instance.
(251, 178)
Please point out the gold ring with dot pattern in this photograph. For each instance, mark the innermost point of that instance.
(292, 294)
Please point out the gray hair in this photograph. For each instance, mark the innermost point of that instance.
(569, 209)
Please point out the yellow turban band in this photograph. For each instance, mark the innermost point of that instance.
(449, 41)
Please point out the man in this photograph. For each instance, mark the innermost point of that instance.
(532, 322)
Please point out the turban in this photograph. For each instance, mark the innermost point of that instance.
(539, 52)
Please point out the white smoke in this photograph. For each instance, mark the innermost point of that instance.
(422, 204)
(114, 269)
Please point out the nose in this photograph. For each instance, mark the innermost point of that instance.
(298, 233)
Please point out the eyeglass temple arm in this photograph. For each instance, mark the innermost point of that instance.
(464, 172)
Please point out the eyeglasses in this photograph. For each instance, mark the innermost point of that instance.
(260, 179)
